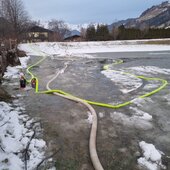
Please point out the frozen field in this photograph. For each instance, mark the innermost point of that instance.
(133, 137)
(79, 48)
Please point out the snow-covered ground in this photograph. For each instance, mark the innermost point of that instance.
(19, 145)
(75, 48)
(15, 136)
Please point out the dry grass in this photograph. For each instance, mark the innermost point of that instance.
(159, 42)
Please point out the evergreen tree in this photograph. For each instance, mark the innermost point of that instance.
(102, 33)
(91, 33)
(121, 32)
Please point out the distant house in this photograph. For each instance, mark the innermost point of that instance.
(73, 35)
(73, 38)
(39, 34)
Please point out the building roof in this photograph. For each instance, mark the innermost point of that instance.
(72, 37)
(38, 29)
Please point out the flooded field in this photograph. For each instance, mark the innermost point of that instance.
(65, 123)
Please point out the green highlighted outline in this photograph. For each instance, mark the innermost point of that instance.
(106, 67)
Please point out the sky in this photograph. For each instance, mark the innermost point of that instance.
(87, 11)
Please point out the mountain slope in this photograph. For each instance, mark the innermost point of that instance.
(157, 16)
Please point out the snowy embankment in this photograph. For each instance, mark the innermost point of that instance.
(19, 146)
(13, 72)
(75, 48)
(15, 134)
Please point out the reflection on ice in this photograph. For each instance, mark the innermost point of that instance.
(131, 121)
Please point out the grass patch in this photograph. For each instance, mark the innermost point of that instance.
(158, 42)
(67, 165)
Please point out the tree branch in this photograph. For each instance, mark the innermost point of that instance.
(48, 157)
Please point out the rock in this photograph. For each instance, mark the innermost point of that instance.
(12, 58)
(166, 160)
(137, 154)
(21, 53)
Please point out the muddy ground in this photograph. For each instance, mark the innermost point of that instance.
(66, 129)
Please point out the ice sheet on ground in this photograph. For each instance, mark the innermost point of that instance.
(131, 121)
(151, 86)
(141, 101)
(159, 53)
(167, 98)
(122, 80)
(151, 156)
(144, 70)
(141, 114)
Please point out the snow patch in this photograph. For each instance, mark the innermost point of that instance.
(101, 114)
(14, 72)
(14, 138)
(151, 157)
(90, 118)
(24, 61)
(11, 73)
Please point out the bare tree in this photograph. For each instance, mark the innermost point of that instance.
(13, 11)
(60, 29)
(115, 33)
(83, 33)
(5, 29)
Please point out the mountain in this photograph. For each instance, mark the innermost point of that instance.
(121, 22)
(77, 26)
(157, 16)
(76, 29)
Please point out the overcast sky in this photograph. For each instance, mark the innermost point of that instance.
(87, 11)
